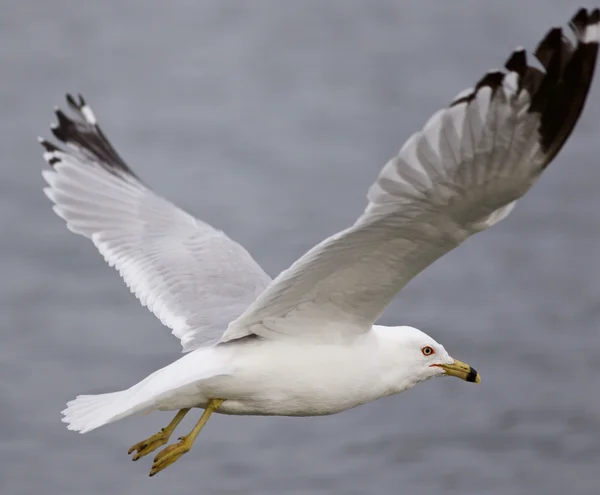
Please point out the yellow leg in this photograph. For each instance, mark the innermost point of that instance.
(151, 444)
(170, 454)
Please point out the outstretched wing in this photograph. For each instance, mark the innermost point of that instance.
(459, 175)
(194, 278)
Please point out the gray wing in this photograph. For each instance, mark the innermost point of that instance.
(459, 175)
(194, 278)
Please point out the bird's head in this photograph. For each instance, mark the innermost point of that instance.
(423, 358)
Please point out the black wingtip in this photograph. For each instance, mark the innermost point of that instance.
(560, 97)
(71, 101)
(557, 93)
(493, 79)
(60, 131)
(78, 128)
(51, 149)
(553, 51)
(580, 20)
(517, 62)
(47, 145)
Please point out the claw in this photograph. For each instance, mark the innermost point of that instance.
(151, 444)
(170, 454)
(144, 447)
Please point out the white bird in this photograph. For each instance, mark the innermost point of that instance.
(306, 343)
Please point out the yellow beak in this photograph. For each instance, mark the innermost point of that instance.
(462, 371)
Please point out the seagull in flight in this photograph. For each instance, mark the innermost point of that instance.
(306, 342)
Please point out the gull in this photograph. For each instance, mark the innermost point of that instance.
(307, 342)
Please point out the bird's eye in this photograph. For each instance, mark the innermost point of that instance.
(427, 351)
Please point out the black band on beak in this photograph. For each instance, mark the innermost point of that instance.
(472, 375)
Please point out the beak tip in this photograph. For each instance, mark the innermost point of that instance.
(462, 371)
(473, 376)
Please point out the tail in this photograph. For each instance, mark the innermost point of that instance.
(171, 387)
(88, 412)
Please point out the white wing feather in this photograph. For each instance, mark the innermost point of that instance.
(459, 175)
(194, 278)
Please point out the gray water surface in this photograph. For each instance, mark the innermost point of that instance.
(270, 119)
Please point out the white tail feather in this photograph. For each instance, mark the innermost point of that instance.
(88, 412)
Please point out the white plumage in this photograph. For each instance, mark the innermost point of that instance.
(164, 254)
(305, 343)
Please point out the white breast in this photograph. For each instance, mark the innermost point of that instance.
(294, 378)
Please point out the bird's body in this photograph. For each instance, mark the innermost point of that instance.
(306, 343)
(261, 377)
(257, 376)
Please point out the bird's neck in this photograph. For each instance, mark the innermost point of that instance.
(397, 374)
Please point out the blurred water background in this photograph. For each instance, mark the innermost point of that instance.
(270, 119)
